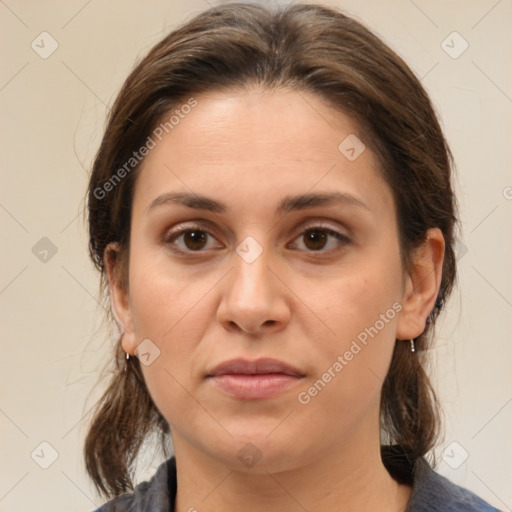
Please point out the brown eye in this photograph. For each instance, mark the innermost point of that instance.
(315, 239)
(318, 239)
(195, 239)
(189, 240)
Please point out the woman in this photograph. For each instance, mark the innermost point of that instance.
(272, 215)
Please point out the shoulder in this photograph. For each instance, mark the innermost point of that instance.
(155, 495)
(433, 492)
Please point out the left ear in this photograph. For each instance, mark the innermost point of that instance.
(421, 286)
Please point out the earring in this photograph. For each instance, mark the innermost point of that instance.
(412, 346)
(127, 358)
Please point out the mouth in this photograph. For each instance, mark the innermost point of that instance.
(259, 379)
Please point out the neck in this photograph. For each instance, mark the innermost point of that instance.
(351, 477)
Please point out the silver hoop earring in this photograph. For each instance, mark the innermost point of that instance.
(127, 358)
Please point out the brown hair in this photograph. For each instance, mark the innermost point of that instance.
(309, 48)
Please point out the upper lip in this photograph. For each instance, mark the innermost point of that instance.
(256, 367)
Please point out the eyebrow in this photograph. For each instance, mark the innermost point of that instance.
(288, 203)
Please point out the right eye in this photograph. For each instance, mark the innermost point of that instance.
(189, 240)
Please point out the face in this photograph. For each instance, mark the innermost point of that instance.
(261, 270)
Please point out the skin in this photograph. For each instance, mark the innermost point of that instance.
(294, 303)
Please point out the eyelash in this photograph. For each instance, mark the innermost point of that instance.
(172, 237)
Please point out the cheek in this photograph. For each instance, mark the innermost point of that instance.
(361, 309)
(169, 309)
(362, 299)
(164, 297)
(162, 314)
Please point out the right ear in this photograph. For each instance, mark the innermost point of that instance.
(119, 295)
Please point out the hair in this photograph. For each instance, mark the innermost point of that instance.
(310, 48)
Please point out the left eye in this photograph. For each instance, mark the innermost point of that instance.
(316, 239)
(313, 239)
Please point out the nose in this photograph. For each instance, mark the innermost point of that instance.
(254, 300)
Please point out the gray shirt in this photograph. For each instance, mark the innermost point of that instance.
(431, 493)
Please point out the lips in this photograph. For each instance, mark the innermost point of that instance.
(257, 367)
(251, 380)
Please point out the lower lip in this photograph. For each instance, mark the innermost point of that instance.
(254, 386)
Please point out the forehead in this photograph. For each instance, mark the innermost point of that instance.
(262, 124)
(258, 144)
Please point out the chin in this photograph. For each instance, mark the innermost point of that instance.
(258, 452)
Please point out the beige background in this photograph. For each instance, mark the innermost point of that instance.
(53, 341)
